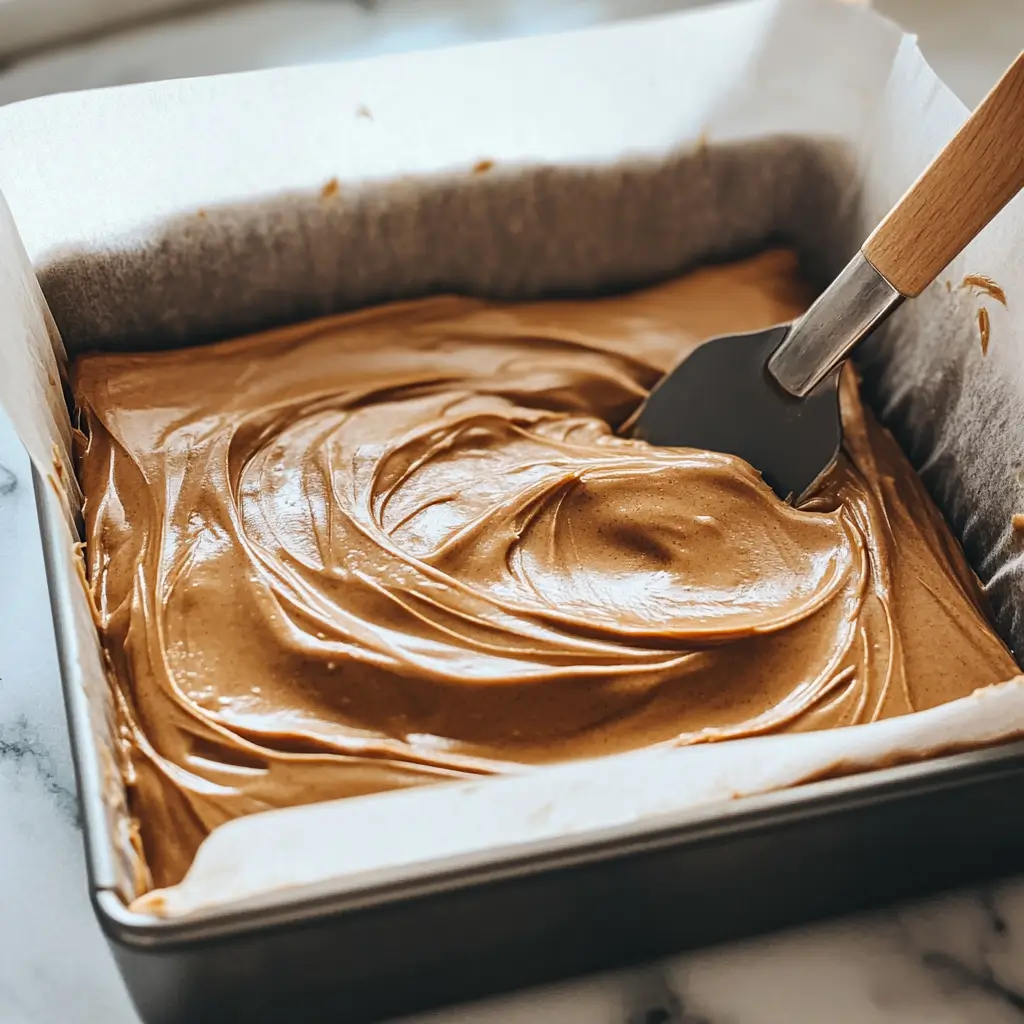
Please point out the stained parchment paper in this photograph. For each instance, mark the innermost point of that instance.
(180, 212)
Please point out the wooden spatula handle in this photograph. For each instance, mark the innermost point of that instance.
(980, 170)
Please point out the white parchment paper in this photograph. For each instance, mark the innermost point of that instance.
(173, 213)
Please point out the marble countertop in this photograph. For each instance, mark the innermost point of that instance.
(951, 960)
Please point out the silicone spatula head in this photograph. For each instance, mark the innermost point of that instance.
(723, 398)
(772, 397)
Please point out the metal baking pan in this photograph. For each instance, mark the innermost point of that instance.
(468, 928)
(202, 249)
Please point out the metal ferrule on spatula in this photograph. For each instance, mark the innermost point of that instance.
(857, 301)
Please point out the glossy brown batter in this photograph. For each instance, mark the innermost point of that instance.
(405, 545)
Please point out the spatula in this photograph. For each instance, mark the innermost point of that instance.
(771, 397)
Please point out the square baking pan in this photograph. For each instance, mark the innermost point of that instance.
(247, 242)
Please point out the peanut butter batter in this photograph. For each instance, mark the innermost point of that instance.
(406, 545)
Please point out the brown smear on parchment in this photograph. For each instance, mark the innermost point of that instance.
(986, 286)
(83, 578)
(56, 474)
(981, 283)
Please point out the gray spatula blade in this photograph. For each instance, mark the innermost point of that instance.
(723, 398)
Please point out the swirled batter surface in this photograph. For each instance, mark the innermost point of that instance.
(406, 545)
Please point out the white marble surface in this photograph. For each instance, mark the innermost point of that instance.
(958, 959)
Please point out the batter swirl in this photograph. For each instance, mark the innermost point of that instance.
(406, 545)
